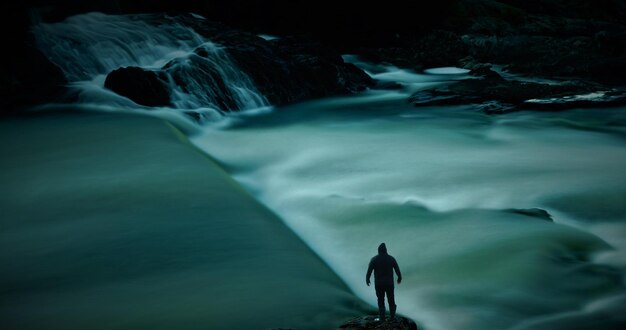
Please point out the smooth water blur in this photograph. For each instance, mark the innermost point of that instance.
(89, 46)
(117, 222)
(409, 80)
(94, 44)
(438, 185)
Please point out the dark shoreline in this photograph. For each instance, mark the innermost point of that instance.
(581, 45)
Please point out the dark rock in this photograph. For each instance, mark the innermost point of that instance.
(435, 49)
(478, 69)
(497, 95)
(533, 212)
(371, 323)
(547, 43)
(595, 99)
(193, 74)
(284, 70)
(484, 71)
(289, 70)
(142, 86)
(440, 48)
(554, 38)
(30, 80)
(27, 77)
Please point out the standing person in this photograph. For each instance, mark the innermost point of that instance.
(383, 266)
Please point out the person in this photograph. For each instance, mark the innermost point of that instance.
(383, 266)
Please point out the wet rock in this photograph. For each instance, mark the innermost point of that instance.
(553, 38)
(289, 70)
(284, 70)
(497, 95)
(372, 323)
(588, 100)
(142, 86)
(533, 212)
(478, 69)
(195, 75)
(437, 48)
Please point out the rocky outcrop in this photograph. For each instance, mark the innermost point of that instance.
(572, 41)
(557, 38)
(283, 70)
(568, 40)
(289, 70)
(495, 95)
(142, 86)
(372, 323)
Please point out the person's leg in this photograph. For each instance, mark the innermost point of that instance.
(392, 302)
(380, 294)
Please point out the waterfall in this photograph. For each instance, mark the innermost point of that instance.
(199, 73)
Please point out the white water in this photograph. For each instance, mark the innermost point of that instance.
(435, 184)
(87, 47)
(409, 80)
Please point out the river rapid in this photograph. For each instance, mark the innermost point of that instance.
(441, 186)
(453, 192)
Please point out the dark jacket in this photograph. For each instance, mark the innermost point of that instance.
(383, 266)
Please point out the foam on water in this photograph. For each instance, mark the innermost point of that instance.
(89, 46)
(411, 80)
(447, 70)
(436, 185)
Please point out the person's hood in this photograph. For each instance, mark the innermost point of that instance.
(382, 248)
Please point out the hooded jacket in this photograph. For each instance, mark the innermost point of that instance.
(383, 266)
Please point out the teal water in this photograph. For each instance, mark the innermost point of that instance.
(114, 221)
(438, 185)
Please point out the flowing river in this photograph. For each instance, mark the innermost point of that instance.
(454, 193)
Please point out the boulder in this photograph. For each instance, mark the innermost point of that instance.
(292, 69)
(142, 86)
(284, 70)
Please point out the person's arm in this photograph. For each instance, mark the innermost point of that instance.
(397, 269)
(370, 268)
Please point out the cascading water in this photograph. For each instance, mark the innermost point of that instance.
(87, 47)
(439, 185)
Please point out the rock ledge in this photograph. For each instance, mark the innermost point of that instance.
(371, 322)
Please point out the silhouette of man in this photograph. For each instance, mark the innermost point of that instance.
(383, 266)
